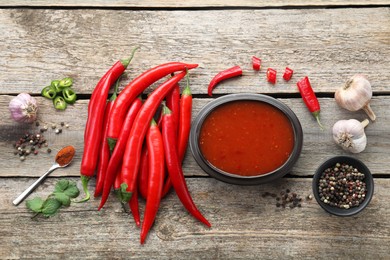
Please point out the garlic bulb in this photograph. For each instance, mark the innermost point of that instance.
(356, 95)
(23, 108)
(350, 135)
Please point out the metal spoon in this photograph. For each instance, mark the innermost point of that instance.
(56, 165)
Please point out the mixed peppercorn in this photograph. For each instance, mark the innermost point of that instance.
(342, 186)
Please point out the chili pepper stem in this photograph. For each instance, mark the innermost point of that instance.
(126, 62)
(317, 117)
(84, 182)
(124, 196)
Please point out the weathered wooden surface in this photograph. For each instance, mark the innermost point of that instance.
(189, 4)
(244, 226)
(327, 44)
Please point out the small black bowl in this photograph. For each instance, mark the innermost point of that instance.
(368, 179)
(234, 178)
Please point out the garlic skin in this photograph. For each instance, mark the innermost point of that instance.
(23, 108)
(350, 135)
(356, 94)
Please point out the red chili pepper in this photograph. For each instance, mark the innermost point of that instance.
(134, 207)
(271, 75)
(256, 63)
(143, 173)
(184, 129)
(131, 158)
(156, 177)
(117, 154)
(133, 203)
(117, 70)
(288, 74)
(104, 155)
(226, 74)
(309, 97)
(117, 183)
(134, 89)
(94, 127)
(173, 103)
(174, 168)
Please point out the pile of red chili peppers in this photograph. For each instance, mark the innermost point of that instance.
(131, 152)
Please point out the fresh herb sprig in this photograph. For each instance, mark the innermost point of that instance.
(64, 191)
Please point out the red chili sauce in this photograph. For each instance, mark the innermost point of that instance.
(246, 138)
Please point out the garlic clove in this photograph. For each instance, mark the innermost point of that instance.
(356, 94)
(350, 135)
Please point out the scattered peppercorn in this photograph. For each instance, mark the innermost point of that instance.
(30, 143)
(342, 186)
(285, 199)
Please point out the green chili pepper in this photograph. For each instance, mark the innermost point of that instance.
(59, 103)
(66, 82)
(49, 92)
(69, 95)
(56, 85)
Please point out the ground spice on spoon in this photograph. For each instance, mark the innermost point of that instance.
(65, 155)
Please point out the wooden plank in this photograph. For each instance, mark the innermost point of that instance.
(328, 45)
(318, 145)
(187, 4)
(244, 226)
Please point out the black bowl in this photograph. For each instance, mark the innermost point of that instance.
(368, 179)
(234, 178)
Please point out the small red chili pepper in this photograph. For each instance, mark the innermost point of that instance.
(134, 89)
(143, 173)
(288, 74)
(117, 183)
(174, 168)
(226, 74)
(117, 154)
(184, 129)
(173, 103)
(156, 177)
(131, 158)
(271, 75)
(134, 207)
(309, 97)
(256, 63)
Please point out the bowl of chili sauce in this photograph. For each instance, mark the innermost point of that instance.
(246, 139)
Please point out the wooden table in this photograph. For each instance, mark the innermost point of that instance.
(329, 41)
